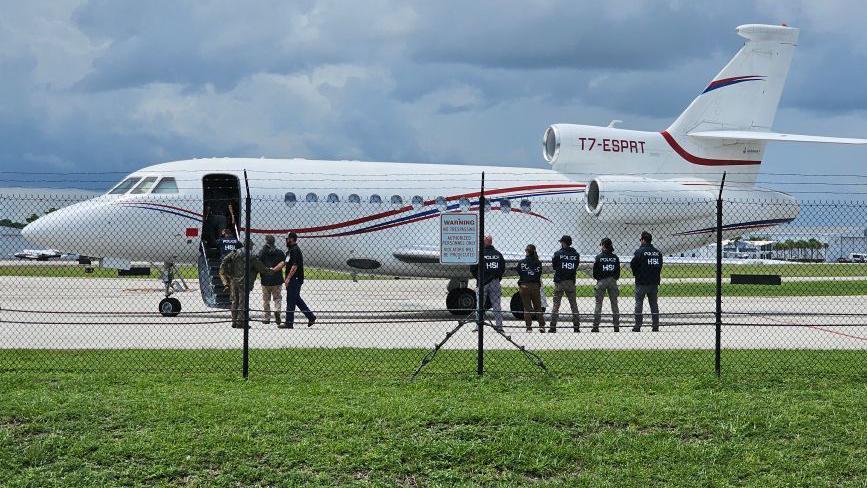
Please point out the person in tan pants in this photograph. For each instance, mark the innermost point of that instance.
(272, 285)
(530, 287)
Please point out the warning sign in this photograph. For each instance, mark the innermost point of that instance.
(459, 238)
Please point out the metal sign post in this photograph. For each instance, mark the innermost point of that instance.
(480, 278)
(462, 242)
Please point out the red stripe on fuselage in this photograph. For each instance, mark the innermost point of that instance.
(703, 161)
(406, 208)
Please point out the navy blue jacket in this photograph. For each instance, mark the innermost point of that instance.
(494, 264)
(227, 245)
(646, 265)
(606, 265)
(565, 264)
(529, 272)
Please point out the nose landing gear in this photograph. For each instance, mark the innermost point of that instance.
(171, 306)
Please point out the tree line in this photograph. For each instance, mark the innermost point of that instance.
(20, 225)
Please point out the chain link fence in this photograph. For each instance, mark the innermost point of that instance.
(793, 281)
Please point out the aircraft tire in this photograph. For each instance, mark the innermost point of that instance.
(170, 307)
(461, 301)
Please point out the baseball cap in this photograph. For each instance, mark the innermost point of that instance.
(567, 240)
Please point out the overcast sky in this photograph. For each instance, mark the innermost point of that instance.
(113, 85)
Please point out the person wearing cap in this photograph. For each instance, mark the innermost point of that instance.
(646, 266)
(565, 264)
(606, 272)
(232, 276)
(294, 265)
(494, 267)
(271, 283)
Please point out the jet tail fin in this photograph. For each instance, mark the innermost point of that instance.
(746, 93)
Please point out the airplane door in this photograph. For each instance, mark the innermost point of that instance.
(221, 207)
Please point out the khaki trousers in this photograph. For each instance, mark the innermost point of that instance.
(532, 301)
(275, 293)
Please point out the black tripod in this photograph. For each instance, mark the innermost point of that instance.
(473, 318)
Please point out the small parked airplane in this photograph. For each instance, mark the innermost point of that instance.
(381, 218)
(38, 254)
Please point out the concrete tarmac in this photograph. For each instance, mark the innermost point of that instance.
(86, 313)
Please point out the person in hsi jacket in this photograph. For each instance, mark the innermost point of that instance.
(227, 243)
(530, 287)
(606, 272)
(494, 267)
(272, 283)
(646, 266)
(565, 264)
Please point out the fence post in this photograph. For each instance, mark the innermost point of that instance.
(480, 273)
(719, 225)
(246, 353)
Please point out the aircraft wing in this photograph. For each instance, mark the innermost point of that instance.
(431, 255)
(746, 135)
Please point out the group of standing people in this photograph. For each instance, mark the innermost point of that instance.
(268, 263)
(646, 265)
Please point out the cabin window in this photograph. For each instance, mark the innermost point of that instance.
(442, 204)
(525, 206)
(311, 198)
(124, 186)
(417, 202)
(505, 206)
(166, 185)
(396, 200)
(464, 204)
(290, 199)
(354, 198)
(145, 185)
(375, 199)
(332, 198)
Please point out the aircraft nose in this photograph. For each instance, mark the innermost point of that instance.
(35, 232)
(47, 230)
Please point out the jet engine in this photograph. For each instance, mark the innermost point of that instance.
(622, 198)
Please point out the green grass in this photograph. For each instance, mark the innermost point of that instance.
(600, 428)
(786, 289)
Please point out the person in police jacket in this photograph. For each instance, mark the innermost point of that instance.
(646, 266)
(606, 272)
(565, 264)
(530, 287)
(494, 267)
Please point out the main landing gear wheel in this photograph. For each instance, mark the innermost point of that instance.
(170, 307)
(461, 301)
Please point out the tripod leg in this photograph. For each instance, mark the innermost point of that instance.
(433, 352)
(530, 355)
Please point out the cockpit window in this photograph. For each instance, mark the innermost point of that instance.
(166, 185)
(145, 185)
(124, 186)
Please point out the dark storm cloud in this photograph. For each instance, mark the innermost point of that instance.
(112, 85)
(543, 35)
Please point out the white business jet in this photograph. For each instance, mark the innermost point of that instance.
(382, 218)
